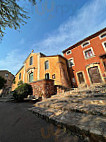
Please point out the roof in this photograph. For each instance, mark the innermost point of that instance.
(19, 69)
(55, 56)
(6, 71)
(34, 53)
(85, 39)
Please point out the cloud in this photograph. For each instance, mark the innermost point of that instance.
(22, 41)
(13, 61)
(88, 20)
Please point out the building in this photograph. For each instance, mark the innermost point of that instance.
(87, 60)
(9, 77)
(38, 67)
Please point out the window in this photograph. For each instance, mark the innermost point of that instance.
(31, 60)
(46, 65)
(47, 76)
(6, 75)
(53, 76)
(88, 53)
(85, 44)
(103, 35)
(104, 45)
(31, 77)
(71, 62)
(19, 76)
(68, 52)
(80, 77)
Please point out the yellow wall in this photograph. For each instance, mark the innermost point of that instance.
(55, 63)
(53, 68)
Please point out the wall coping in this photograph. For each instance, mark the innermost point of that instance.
(42, 80)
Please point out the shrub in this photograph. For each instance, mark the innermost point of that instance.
(22, 92)
(20, 83)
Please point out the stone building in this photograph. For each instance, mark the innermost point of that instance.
(87, 60)
(8, 76)
(44, 73)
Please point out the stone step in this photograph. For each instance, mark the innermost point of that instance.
(89, 125)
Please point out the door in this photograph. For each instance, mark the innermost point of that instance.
(80, 77)
(31, 77)
(94, 75)
(47, 76)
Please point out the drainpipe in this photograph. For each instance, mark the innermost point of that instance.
(38, 75)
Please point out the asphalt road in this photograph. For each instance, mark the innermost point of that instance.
(17, 124)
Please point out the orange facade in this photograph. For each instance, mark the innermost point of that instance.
(38, 66)
(86, 66)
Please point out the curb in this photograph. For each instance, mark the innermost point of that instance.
(40, 112)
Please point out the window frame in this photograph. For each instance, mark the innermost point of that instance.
(104, 46)
(20, 76)
(101, 35)
(82, 45)
(6, 75)
(83, 77)
(87, 50)
(29, 77)
(45, 64)
(30, 61)
(73, 62)
(68, 53)
(53, 76)
(46, 74)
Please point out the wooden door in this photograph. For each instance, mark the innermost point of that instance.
(80, 77)
(94, 75)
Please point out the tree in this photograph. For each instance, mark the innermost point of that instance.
(11, 15)
(2, 82)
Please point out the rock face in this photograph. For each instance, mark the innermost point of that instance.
(83, 114)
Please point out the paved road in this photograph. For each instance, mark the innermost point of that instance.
(17, 124)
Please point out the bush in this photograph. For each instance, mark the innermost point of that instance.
(20, 83)
(22, 92)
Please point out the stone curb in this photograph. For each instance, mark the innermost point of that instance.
(93, 133)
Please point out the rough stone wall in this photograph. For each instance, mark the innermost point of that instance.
(9, 80)
(43, 88)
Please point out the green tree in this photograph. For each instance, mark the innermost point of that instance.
(2, 82)
(12, 15)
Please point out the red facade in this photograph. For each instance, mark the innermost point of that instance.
(87, 60)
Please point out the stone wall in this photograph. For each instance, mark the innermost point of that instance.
(43, 88)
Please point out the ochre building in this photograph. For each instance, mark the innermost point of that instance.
(38, 66)
(87, 60)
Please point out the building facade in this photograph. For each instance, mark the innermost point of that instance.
(8, 76)
(38, 67)
(87, 60)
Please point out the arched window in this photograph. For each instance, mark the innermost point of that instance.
(31, 77)
(31, 60)
(19, 76)
(46, 65)
(103, 35)
(85, 44)
(68, 52)
(47, 76)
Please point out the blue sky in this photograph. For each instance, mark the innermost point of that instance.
(52, 27)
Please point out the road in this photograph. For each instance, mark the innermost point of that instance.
(17, 124)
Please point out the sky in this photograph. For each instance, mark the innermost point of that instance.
(52, 27)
